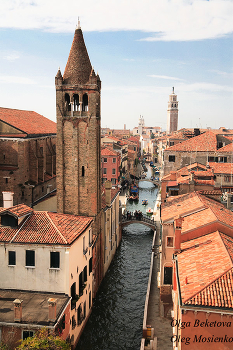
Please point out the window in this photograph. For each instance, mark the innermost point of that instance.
(172, 158)
(114, 160)
(80, 314)
(84, 310)
(89, 300)
(113, 181)
(73, 322)
(113, 171)
(169, 241)
(83, 171)
(167, 275)
(54, 260)
(85, 273)
(171, 143)
(11, 258)
(105, 160)
(105, 170)
(90, 238)
(90, 266)
(30, 257)
(85, 103)
(27, 334)
(6, 180)
(73, 295)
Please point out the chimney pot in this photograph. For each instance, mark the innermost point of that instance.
(52, 309)
(17, 310)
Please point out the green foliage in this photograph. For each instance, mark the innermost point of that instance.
(4, 347)
(44, 341)
(152, 136)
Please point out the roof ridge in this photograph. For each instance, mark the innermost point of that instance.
(60, 234)
(20, 228)
(209, 284)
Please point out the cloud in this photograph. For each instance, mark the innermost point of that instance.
(167, 20)
(10, 56)
(10, 79)
(165, 77)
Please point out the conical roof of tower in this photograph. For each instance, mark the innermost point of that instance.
(78, 67)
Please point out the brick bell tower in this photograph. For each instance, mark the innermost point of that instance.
(78, 134)
(172, 113)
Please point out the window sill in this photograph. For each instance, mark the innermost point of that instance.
(55, 268)
(30, 267)
(11, 265)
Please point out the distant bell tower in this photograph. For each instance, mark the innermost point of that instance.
(78, 133)
(172, 113)
(140, 125)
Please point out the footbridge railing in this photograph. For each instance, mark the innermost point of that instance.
(138, 218)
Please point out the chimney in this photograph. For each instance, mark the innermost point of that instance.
(52, 309)
(7, 199)
(108, 187)
(191, 181)
(17, 310)
(124, 126)
(228, 200)
(178, 227)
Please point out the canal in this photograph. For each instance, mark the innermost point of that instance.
(116, 319)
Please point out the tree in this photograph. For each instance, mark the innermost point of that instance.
(44, 341)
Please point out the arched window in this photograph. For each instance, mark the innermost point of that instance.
(85, 102)
(76, 103)
(67, 102)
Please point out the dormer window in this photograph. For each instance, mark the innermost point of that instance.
(9, 220)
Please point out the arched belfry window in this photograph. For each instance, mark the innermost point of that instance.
(67, 102)
(76, 103)
(85, 102)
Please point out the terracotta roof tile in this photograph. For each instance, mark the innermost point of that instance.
(201, 263)
(202, 143)
(222, 168)
(43, 227)
(28, 122)
(18, 210)
(108, 152)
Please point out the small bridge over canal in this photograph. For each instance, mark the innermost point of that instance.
(154, 182)
(142, 219)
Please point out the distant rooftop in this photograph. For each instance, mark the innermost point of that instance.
(26, 123)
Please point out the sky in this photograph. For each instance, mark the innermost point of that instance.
(140, 49)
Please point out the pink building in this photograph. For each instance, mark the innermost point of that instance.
(110, 165)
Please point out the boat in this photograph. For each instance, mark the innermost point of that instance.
(149, 211)
(144, 202)
(133, 198)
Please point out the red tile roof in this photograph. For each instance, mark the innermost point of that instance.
(28, 122)
(226, 149)
(18, 210)
(206, 271)
(108, 152)
(43, 227)
(202, 143)
(197, 210)
(222, 168)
